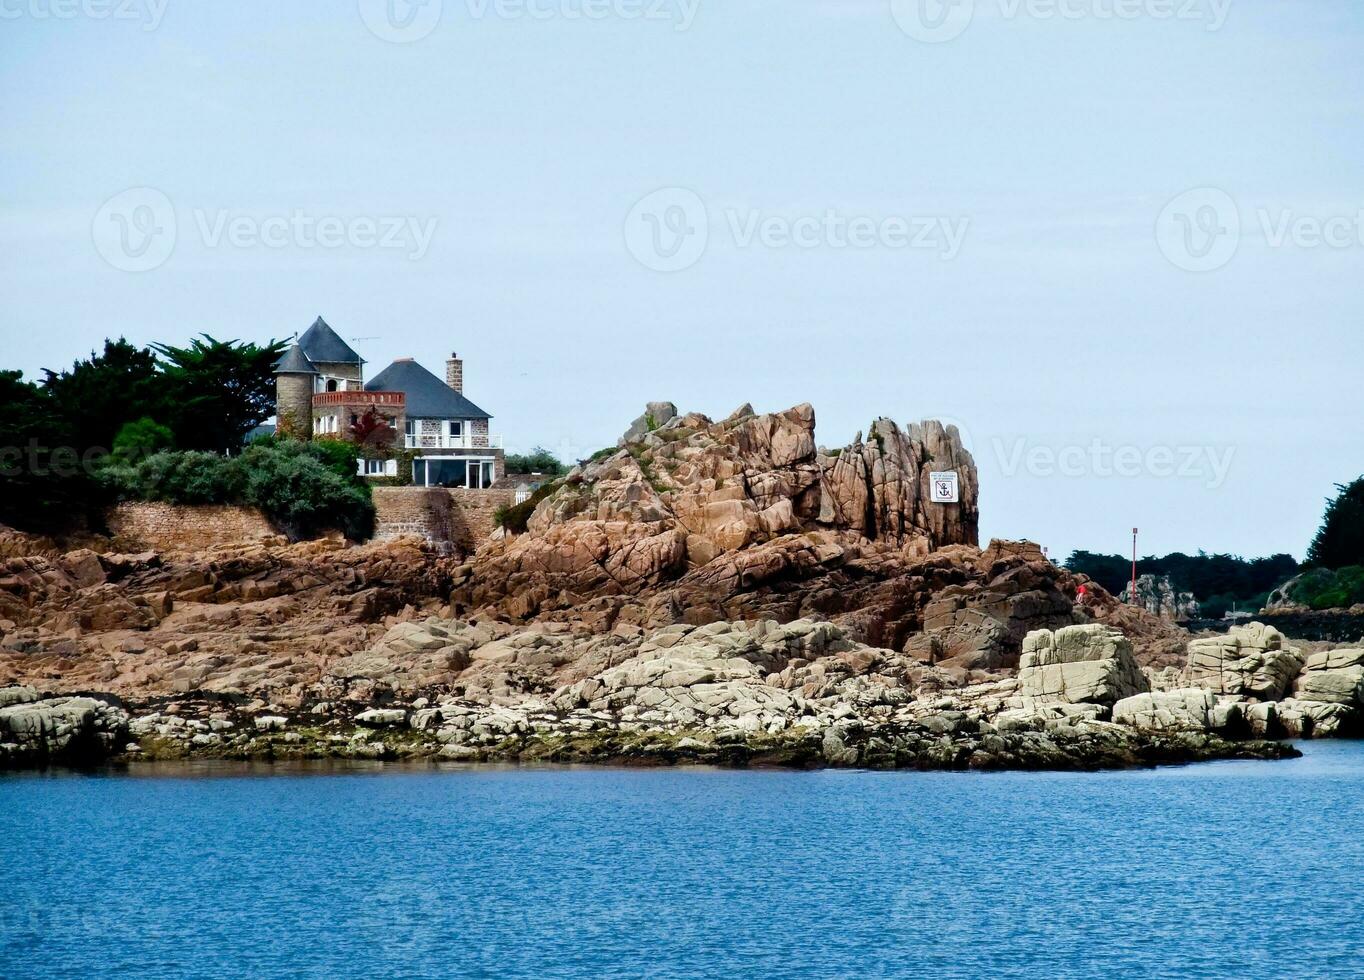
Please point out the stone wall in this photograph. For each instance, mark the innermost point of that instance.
(173, 527)
(462, 518)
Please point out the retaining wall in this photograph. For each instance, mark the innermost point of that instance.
(174, 527)
(462, 518)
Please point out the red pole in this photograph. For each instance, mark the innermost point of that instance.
(1134, 565)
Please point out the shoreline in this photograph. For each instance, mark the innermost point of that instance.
(947, 741)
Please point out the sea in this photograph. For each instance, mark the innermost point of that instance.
(1228, 869)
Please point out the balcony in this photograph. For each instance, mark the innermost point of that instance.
(379, 399)
(466, 441)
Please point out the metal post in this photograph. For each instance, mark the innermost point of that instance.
(1134, 565)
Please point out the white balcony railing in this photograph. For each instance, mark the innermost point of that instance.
(466, 441)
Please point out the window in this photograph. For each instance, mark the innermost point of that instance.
(331, 384)
(376, 467)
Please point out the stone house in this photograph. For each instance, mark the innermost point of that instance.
(321, 393)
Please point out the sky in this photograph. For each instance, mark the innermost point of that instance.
(1117, 242)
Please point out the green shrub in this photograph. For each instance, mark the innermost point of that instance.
(338, 455)
(303, 494)
(137, 440)
(1322, 588)
(302, 489)
(515, 518)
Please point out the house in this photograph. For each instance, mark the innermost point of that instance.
(403, 413)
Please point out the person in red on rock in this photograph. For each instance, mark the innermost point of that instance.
(1082, 595)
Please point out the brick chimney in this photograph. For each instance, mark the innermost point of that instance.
(454, 373)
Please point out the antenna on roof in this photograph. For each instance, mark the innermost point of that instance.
(364, 338)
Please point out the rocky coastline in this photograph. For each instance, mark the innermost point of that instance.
(719, 593)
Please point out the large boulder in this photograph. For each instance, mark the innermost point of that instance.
(981, 624)
(1252, 661)
(1089, 663)
(656, 415)
(73, 730)
(1194, 708)
(1328, 696)
(1317, 719)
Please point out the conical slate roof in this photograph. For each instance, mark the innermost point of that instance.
(294, 362)
(428, 397)
(322, 345)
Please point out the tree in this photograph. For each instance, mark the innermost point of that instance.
(1219, 579)
(538, 460)
(96, 396)
(1340, 539)
(43, 482)
(142, 438)
(373, 430)
(221, 390)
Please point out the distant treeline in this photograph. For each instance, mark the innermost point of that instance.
(1216, 581)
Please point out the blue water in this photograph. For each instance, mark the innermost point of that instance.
(1223, 870)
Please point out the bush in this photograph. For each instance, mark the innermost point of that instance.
(137, 440)
(303, 489)
(1323, 588)
(338, 455)
(303, 494)
(514, 519)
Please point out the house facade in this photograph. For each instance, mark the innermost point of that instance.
(403, 413)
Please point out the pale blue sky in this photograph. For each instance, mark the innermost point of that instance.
(529, 140)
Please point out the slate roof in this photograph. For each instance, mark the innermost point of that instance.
(322, 345)
(294, 362)
(428, 397)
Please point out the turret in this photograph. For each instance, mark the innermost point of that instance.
(295, 378)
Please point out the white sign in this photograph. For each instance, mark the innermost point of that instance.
(943, 488)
